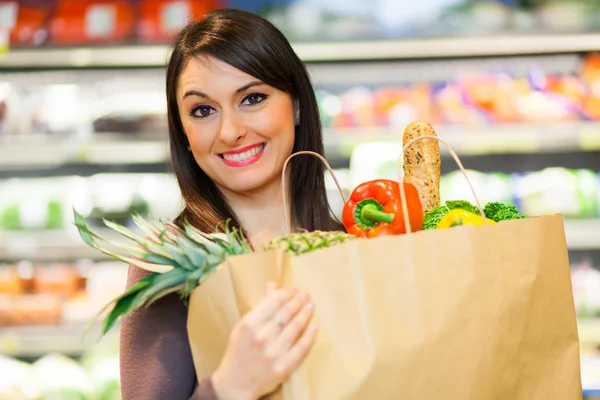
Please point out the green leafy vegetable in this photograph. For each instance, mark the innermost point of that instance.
(463, 205)
(433, 217)
(502, 212)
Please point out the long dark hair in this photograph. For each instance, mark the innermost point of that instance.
(253, 45)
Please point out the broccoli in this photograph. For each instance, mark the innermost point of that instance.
(492, 208)
(432, 217)
(502, 212)
(507, 213)
(463, 205)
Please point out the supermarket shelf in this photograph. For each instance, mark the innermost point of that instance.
(583, 234)
(484, 140)
(18, 153)
(35, 341)
(35, 151)
(49, 245)
(157, 55)
(61, 245)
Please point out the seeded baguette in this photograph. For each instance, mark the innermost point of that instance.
(422, 164)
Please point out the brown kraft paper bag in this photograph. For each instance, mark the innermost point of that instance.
(467, 313)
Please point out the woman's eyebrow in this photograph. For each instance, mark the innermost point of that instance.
(239, 90)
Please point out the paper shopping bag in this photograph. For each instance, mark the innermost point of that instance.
(472, 312)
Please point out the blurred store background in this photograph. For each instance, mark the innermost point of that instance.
(513, 85)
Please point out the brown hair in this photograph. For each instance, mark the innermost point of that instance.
(253, 45)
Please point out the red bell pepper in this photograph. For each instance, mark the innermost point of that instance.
(375, 209)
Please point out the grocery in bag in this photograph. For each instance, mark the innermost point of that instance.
(473, 303)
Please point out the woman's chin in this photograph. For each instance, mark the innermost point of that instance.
(245, 185)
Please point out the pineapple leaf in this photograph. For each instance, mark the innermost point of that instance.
(164, 293)
(146, 227)
(156, 259)
(178, 256)
(131, 291)
(194, 253)
(200, 238)
(86, 234)
(165, 281)
(193, 280)
(124, 306)
(136, 261)
(123, 231)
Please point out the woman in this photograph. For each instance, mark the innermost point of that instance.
(239, 103)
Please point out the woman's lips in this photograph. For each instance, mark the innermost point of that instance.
(243, 157)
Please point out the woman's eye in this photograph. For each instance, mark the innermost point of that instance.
(202, 111)
(254, 98)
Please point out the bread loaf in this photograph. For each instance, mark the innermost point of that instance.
(422, 164)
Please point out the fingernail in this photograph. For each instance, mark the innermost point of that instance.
(314, 327)
(310, 306)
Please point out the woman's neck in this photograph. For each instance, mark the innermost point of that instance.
(260, 212)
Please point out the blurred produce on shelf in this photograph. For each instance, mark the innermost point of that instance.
(106, 22)
(573, 193)
(497, 97)
(135, 107)
(47, 203)
(56, 376)
(51, 294)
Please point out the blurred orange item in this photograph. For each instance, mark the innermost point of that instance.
(36, 310)
(10, 281)
(30, 29)
(160, 20)
(385, 100)
(61, 280)
(422, 100)
(91, 22)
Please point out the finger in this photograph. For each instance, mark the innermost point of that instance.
(269, 305)
(270, 287)
(299, 351)
(284, 315)
(294, 329)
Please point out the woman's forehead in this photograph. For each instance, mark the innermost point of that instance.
(212, 72)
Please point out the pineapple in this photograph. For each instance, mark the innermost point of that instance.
(182, 258)
(305, 242)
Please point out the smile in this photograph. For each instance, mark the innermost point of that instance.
(243, 157)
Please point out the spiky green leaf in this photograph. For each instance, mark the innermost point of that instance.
(146, 227)
(173, 278)
(193, 252)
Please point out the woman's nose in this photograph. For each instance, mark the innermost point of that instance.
(232, 128)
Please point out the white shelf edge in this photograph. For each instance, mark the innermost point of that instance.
(34, 341)
(384, 49)
(466, 140)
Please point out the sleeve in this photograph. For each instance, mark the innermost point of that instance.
(155, 356)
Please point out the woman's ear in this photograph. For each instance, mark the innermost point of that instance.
(296, 113)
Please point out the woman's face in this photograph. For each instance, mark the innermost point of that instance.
(240, 129)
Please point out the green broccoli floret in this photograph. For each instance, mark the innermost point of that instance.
(492, 208)
(463, 205)
(508, 213)
(432, 217)
(502, 212)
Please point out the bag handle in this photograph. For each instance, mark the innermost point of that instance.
(460, 166)
(284, 193)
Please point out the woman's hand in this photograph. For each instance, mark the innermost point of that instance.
(266, 346)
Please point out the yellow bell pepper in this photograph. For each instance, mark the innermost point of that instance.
(457, 217)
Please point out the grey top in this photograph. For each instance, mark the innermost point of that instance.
(156, 360)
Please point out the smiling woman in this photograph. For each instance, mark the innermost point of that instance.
(240, 130)
(240, 102)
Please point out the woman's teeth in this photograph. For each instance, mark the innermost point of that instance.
(245, 155)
